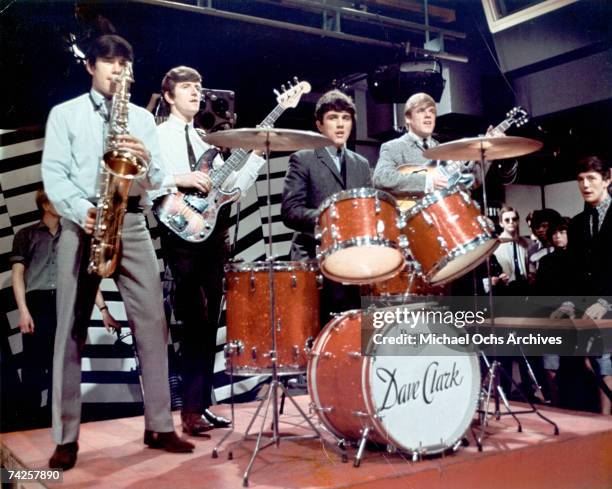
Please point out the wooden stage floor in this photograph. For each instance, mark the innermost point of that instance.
(112, 455)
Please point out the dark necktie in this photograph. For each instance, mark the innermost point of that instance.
(190, 153)
(425, 145)
(342, 160)
(517, 268)
(595, 227)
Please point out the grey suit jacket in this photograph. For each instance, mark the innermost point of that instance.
(398, 152)
(407, 150)
(312, 177)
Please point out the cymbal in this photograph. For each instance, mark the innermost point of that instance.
(256, 138)
(495, 148)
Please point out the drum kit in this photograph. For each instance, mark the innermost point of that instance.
(273, 324)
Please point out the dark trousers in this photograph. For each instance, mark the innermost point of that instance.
(37, 369)
(197, 270)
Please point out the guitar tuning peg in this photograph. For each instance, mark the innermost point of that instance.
(283, 88)
(276, 92)
(295, 80)
(289, 84)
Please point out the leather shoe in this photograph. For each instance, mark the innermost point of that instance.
(194, 424)
(216, 421)
(167, 441)
(65, 456)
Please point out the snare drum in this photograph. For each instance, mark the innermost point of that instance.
(360, 238)
(249, 339)
(414, 402)
(447, 234)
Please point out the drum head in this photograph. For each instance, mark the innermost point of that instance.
(463, 260)
(424, 400)
(362, 264)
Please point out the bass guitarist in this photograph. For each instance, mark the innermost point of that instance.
(197, 267)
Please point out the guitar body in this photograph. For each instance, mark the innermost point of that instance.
(404, 204)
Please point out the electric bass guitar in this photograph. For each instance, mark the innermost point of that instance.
(452, 169)
(193, 215)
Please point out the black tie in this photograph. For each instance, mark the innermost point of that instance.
(425, 145)
(342, 161)
(190, 153)
(517, 268)
(595, 228)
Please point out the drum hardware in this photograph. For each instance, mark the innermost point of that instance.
(354, 354)
(270, 140)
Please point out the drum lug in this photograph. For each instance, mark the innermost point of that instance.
(427, 218)
(442, 243)
(293, 281)
(308, 345)
(322, 409)
(401, 222)
(467, 199)
(335, 235)
(360, 414)
(380, 228)
(252, 281)
(317, 234)
(402, 241)
(377, 207)
(254, 353)
(333, 212)
(324, 354)
(354, 354)
(319, 279)
(232, 347)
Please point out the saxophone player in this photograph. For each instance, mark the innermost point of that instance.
(75, 140)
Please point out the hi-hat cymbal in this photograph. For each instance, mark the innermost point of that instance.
(493, 148)
(257, 138)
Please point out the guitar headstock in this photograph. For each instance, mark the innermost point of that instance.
(518, 116)
(290, 96)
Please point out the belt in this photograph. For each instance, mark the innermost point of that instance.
(133, 204)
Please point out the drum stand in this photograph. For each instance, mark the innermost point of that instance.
(494, 368)
(271, 398)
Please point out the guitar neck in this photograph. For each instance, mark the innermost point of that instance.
(236, 158)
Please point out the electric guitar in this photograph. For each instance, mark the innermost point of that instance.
(452, 170)
(191, 214)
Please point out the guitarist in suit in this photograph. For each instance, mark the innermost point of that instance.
(315, 175)
(197, 268)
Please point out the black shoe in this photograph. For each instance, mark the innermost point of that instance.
(217, 421)
(167, 441)
(65, 456)
(195, 424)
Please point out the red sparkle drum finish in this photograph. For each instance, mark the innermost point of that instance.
(448, 236)
(249, 338)
(360, 238)
(407, 282)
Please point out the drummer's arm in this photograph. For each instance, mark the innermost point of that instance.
(294, 212)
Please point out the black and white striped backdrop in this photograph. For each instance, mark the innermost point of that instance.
(109, 374)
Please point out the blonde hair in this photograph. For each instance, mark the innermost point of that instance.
(416, 100)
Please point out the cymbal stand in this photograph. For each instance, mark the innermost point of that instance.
(271, 399)
(494, 368)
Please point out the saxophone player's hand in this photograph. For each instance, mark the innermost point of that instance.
(134, 146)
(90, 221)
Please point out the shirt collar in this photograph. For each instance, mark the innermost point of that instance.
(603, 206)
(333, 151)
(418, 139)
(174, 121)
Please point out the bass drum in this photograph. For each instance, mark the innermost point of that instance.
(416, 402)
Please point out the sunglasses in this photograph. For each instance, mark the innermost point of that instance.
(510, 219)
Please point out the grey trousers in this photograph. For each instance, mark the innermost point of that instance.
(137, 278)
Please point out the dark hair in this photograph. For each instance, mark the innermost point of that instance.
(561, 225)
(177, 75)
(551, 216)
(593, 163)
(334, 100)
(41, 199)
(109, 46)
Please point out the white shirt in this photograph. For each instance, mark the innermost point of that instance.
(73, 149)
(176, 160)
(505, 256)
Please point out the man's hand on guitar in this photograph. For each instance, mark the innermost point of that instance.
(439, 181)
(195, 179)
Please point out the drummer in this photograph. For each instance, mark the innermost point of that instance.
(420, 115)
(315, 175)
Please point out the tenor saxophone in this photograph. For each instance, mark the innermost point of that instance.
(118, 169)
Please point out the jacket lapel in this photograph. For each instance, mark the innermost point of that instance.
(327, 161)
